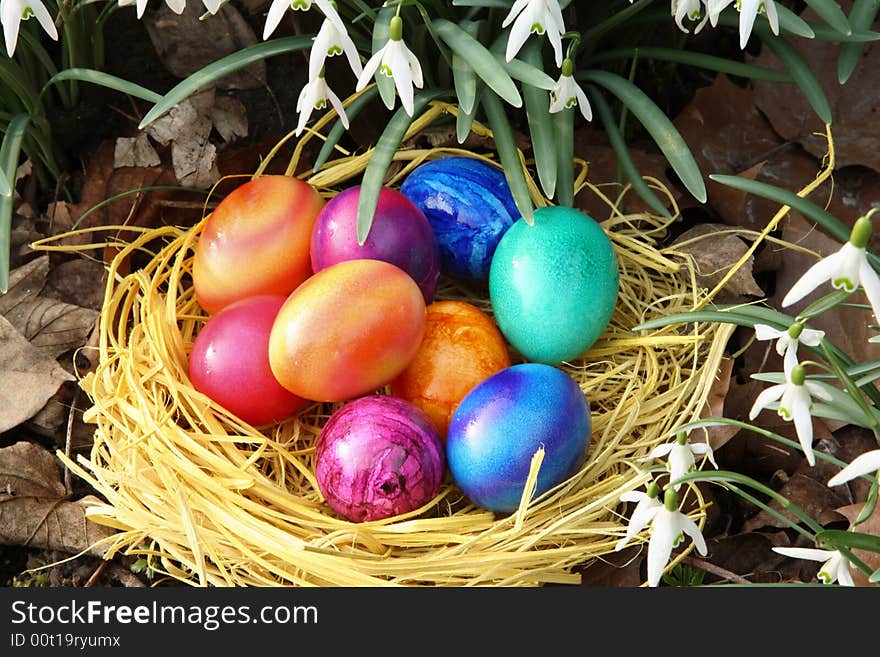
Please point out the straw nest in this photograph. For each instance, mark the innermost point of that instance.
(209, 500)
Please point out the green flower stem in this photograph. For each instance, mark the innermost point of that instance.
(854, 391)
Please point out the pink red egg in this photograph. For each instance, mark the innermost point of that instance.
(229, 362)
(400, 234)
(462, 346)
(348, 330)
(256, 241)
(377, 457)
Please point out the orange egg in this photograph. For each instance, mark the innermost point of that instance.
(462, 346)
(346, 331)
(256, 241)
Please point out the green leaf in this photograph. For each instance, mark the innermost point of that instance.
(726, 317)
(338, 128)
(564, 122)
(105, 80)
(527, 73)
(493, 4)
(383, 154)
(222, 67)
(5, 185)
(658, 126)
(836, 538)
(464, 120)
(862, 16)
(9, 153)
(830, 12)
(480, 59)
(696, 59)
(465, 80)
(802, 74)
(381, 30)
(541, 128)
(508, 154)
(624, 158)
(788, 22)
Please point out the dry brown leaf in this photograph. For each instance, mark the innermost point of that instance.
(29, 377)
(715, 250)
(229, 117)
(719, 435)
(135, 152)
(33, 511)
(869, 526)
(78, 281)
(805, 491)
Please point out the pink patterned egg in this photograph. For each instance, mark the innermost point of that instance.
(378, 456)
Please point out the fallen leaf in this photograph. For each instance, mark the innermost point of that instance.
(804, 491)
(748, 555)
(869, 526)
(615, 569)
(29, 377)
(718, 436)
(135, 152)
(78, 282)
(229, 117)
(714, 250)
(33, 508)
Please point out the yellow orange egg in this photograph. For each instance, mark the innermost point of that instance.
(256, 241)
(462, 346)
(347, 330)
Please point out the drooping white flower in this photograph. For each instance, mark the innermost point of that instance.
(748, 12)
(668, 527)
(177, 6)
(680, 455)
(534, 17)
(861, 465)
(642, 514)
(213, 6)
(13, 12)
(690, 9)
(397, 62)
(835, 566)
(278, 7)
(787, 341)
(847, 268)
(795, 404)
(330, 42)
(567, 93)
(314, 95)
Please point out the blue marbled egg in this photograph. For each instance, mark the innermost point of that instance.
(504, 420)
(469, 205)
(554, 285)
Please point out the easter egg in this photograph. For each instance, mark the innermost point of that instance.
(461, 347)
(256, 241)
(377, 457)
(229, 362)
(553, 285)
(347, 330)
(469, 204)
(399, 234)
(504, 420)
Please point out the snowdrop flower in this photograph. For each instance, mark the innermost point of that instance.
(12, 12)
(748, 11)
(681, 456)
(692, 9)
(397, 62)
(642, 514)
(861, 465)
(668, 527)
(787, 341)
(568, 93)
(534, 17)
(847, 268)
(329, 42)
(835, 566)
(314, 95)
(794, 404)
(278, 7)
(177, 6)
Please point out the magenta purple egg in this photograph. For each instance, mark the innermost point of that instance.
(503, 421)
(400, 234)
(377, 457)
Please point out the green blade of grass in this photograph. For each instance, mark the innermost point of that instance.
(480, 59)
(564, 123)
(541, 128)
(830, 12)
(508, 154)
(801, 73)
(840, 538)
(862, 16)
(5, 185)
(658, 126)
(9, 153)
(383, 154)
(105, 80)
(222, 67)
(464, 120)
(627, 165)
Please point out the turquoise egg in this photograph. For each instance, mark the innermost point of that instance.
(504, 420)
(553, 285)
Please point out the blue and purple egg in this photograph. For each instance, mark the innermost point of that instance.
(400, 234)
(503, 421)
(469, 204)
